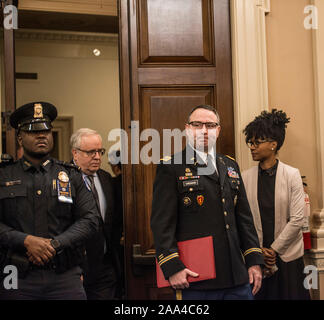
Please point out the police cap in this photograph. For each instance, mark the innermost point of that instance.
(34, 116)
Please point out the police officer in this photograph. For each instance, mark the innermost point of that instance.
(199, 193)
(46, 213)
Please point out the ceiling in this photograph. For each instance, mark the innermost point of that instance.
(67, 21)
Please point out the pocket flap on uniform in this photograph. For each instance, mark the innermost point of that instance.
(235, 183)
(13, 191)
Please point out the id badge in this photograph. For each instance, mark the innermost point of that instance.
(64, 188)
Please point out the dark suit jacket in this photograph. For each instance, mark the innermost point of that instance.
(95, 246)
(182, 211)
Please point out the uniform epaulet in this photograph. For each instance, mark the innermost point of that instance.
(6, 164)
(230, 157)
(166, 159)
(68, 164)
(6, 160)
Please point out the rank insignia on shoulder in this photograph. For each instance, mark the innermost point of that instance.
(232, 173)
(230, 157)
(200, 199)
(187, 201)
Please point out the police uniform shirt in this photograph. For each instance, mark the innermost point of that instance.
(30, 205)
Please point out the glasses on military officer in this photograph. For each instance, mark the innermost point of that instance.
(200, 125)
(92, 153)
(256, 143)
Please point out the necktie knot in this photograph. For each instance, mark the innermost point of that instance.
(91, 179)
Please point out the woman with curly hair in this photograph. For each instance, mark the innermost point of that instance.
(276, 197)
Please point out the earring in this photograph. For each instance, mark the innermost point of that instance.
(272, 149)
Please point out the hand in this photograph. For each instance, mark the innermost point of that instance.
(266, 272)
(255, 276)
(269, 257)
(39, 250)
(179, 279)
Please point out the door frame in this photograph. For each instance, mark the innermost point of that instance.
(9, 66)
(249, 65)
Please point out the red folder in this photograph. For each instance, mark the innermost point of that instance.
(198, 256)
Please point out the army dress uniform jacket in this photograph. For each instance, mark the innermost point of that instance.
(30, 205)
(188, 206)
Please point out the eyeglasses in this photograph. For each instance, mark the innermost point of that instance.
(92, 153)
(200, 125)
(256, 143)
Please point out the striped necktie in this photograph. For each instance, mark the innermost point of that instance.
(94, 190)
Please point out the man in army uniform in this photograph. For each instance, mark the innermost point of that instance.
(46, 213)
(199, 193)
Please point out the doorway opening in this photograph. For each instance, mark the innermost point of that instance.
(70, 60)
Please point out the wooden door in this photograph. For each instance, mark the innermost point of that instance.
(174, 55)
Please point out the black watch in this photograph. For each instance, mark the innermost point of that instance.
(56, 244)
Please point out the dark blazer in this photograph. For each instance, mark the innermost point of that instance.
(183, 211)
(95, 246)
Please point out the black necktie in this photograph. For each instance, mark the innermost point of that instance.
(94, 190)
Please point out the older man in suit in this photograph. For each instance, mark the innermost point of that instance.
(101, 268)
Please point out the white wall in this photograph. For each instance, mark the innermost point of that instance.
(78, 83)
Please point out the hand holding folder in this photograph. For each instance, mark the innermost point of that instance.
(198, 256)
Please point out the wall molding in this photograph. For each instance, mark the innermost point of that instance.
(250, 79)
(98, 7)
(49, 35)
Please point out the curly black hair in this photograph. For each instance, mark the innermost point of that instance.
(268, 125)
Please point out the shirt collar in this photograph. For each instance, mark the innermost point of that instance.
(203, 155)
(85, 175)
(271, 171)
(27, 165)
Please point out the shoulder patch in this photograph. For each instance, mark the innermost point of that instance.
(230, 157)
